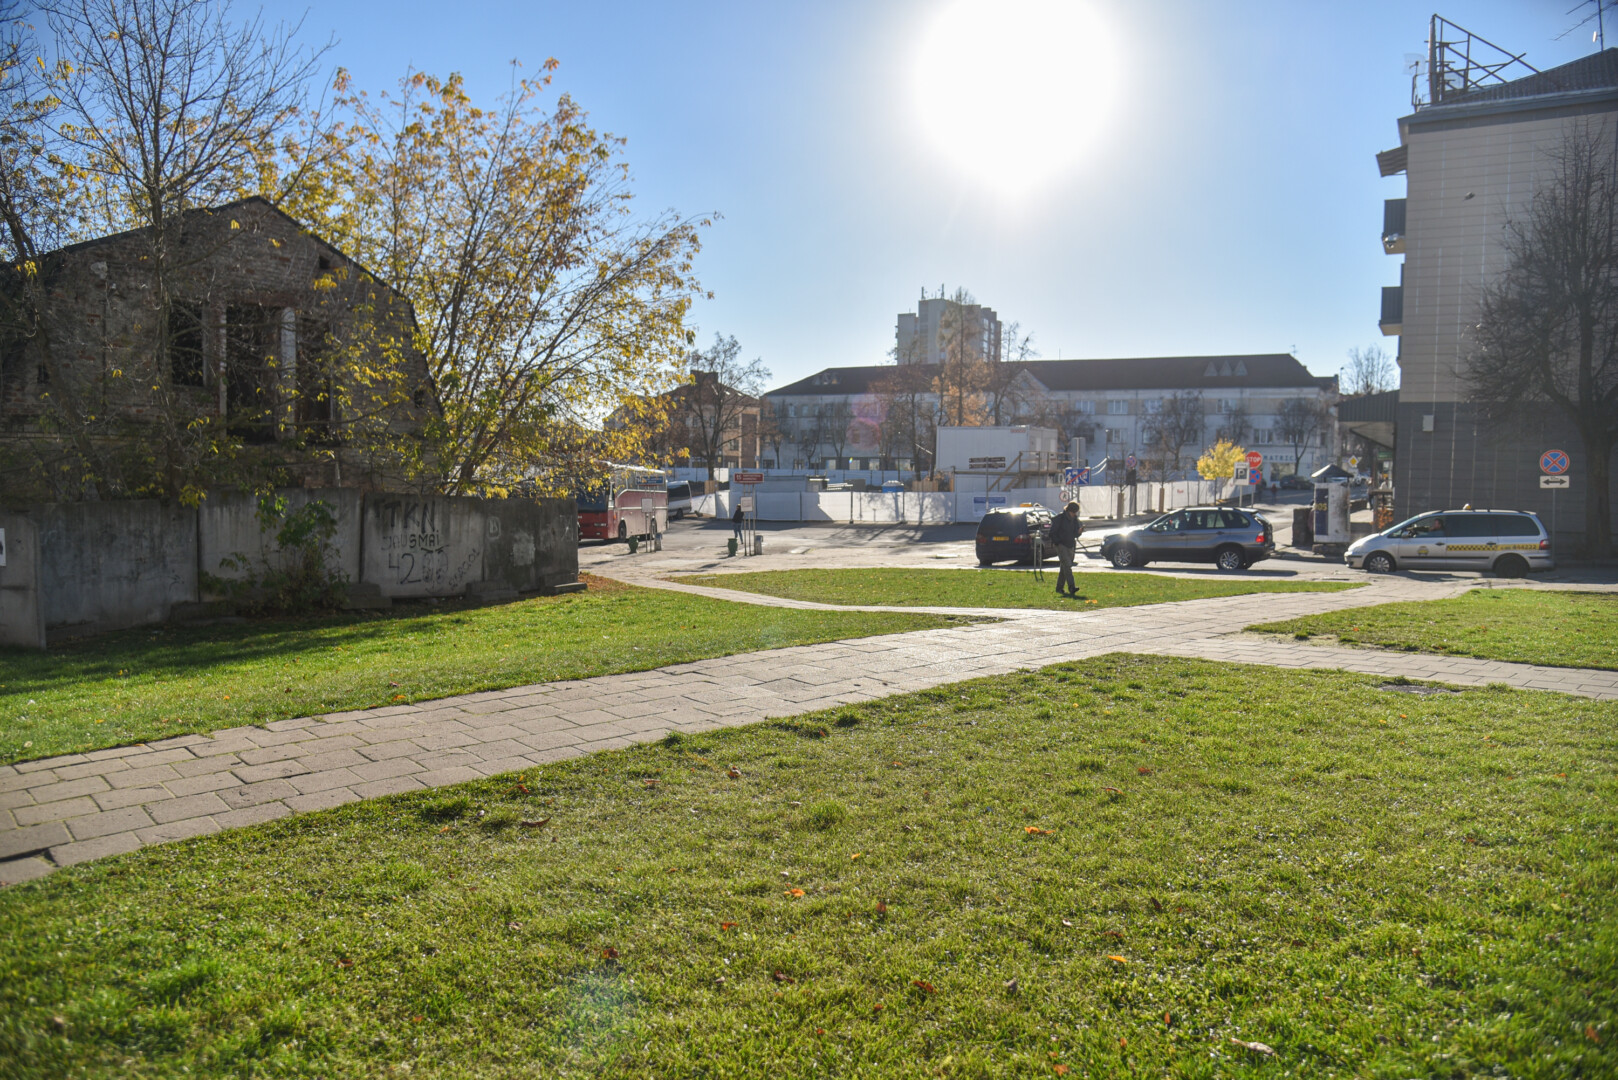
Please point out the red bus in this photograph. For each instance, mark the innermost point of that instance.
(631, 501)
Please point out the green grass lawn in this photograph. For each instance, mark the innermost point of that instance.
(1115, 867)
(151, 683)
(1528, 626)
(989, 588)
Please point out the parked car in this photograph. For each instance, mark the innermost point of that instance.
(1006, 532)
(679, 499)
(1509, 542)
(1232, 539)
(1293, 481)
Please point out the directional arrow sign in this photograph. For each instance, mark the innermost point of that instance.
(1561, 481)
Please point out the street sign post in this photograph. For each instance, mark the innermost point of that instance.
(1553, 463)
(1239, 474)
(1556, 483)
(1254, 459)
(1353, 463)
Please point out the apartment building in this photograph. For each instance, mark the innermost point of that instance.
(924, 337)
(1474, 151)
(883, 416)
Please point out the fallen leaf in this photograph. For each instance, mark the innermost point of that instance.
(734, 773)
(1117, 959)
(794, 893)
(820, 1031)
(417, 1019)
(881, 908)
(1145, 770)
(1066, 923)
(1114, 933)
(1034, 830)
(1113, 790)
(1011, 986)
(345, 962)
(1260, 1047)
(651, 783)
(394, 684)
(513, 926)
(444, 829)
(854, 856)
(878, 1007)
(1591, 1033)
(609, 953)
(1154, 903)
(1061, 1070)
(727, 926)
(898, 763)
(59, 1023)
(1167, 1019)
(780, 978)
(924, 985)
(1123, 1043)
(538, 824)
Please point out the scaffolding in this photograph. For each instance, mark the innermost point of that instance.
(1459, 62)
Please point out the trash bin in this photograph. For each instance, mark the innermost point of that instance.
(1303, 526)
(733, 545)
(758, 545)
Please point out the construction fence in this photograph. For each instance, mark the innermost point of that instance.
(950, 507)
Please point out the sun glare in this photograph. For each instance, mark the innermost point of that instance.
(1013, 92)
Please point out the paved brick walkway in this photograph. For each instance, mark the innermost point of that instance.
(59, 811)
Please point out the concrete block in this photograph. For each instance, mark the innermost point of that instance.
(100, 848)
(17, 871)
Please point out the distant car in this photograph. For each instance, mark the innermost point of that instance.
(1509, 542)
(1007, 532)
(679, 499)
(1295, 482)
(1229, 538)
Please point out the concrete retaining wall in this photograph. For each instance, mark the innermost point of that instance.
(86, 568)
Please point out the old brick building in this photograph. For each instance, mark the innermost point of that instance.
(256, 342)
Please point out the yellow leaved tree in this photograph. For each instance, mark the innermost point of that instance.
(1219, 460)
(543, 305)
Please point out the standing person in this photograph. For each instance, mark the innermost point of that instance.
(736, 520)
(1065, 533)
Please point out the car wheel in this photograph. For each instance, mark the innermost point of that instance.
(1125, 555)
(1379, 562)
(1230, 558)
(985, 562)
(1511, 566)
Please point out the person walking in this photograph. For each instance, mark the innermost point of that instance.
(736, 518)
(1065, 533)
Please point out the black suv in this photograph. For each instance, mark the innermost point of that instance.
(1230, 538)
(1006, 532)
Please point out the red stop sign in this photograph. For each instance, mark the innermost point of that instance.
(1254, 459)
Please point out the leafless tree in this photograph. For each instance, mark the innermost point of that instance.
(1016, 349)
(1234, 423)
(722, 388)
(1369, 371)
(836, 423)
(1299, 422)
(771, 432)
(1547, 328)
(1177, 424)
(909, 411)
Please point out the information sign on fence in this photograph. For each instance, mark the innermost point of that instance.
(747, 478)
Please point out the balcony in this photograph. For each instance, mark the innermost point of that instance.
(1393, 226)
(1393, 310)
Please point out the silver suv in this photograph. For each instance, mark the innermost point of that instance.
(1508, 542)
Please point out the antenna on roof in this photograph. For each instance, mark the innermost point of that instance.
(1599, 35)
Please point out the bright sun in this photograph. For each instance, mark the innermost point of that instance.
(1014, 91)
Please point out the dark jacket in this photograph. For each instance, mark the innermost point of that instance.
(738, 515)
(1066, 530)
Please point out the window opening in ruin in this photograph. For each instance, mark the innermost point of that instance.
(186, 366)
(315, 411)
(252, 351)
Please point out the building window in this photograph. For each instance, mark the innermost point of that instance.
(185, 344)
(1085, 408)
(1117, 407)
(1152, 406)
(252, 355)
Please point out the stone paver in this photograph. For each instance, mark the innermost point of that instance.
(57, 812)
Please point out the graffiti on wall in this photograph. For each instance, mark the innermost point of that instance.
(414, 535)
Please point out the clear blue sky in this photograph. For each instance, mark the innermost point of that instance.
(1227, 200)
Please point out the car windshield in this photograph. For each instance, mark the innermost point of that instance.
(595, 499)
(1406, 524)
